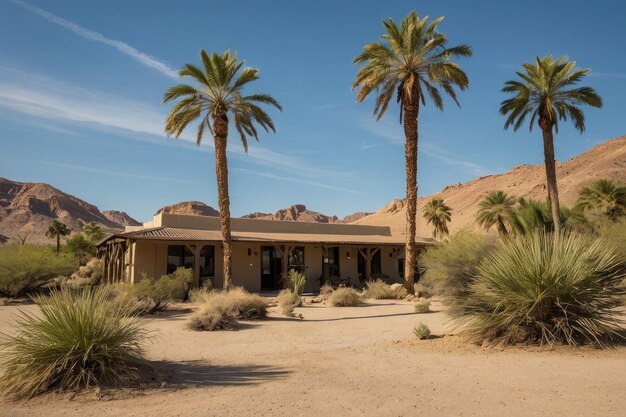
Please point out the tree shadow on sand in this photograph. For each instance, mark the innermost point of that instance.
(198, 373)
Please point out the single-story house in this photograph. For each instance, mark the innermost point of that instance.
(262, 250)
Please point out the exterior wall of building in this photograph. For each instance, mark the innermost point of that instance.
(246, 269)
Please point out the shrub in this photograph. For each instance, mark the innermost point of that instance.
(199, 295)
(80, 247)
(88, 275)
(380, 290)
(4, 301)
(537, 288)
(421, 331)
(79, 340)
(24, 268)
(215, 315)
(288, 301)
(422, 307)
(423, 290)
(344, 297)
(246, 306)
(450, 268)
(298, 281)
(614, 234)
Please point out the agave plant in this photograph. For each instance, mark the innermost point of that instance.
(540, 288)
(78, 340)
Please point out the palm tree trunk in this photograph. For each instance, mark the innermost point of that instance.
(58, 243)
(220, 126)
(411, 111)
(553, 192)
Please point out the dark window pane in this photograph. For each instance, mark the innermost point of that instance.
(331, 262)
(207, 261)
(175, 257)
(296, 259)
(376, 263)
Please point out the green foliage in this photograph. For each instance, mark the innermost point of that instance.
(450, 268)
(422, 307)
(288, 301)
(604, 198)
(437, 214)
(421, 331)
(93, 232)
(154, 295)
(495, 209)
(412, 61)
(298, 281)
(80, 247)
(380, 290)
(79, 340)
(344, 297)
(536, 288)
(55, 231)
(614, 234)
(24, 268)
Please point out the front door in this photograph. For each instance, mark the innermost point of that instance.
(271, 268)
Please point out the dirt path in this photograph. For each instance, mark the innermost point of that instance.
(361, 361)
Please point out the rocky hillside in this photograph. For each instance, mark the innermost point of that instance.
(191, 208)
(295, 213)
(120, 217)
(607, 160)
(29, 208)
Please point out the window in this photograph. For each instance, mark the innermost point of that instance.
(331, 262)
(207, 261)
(376, 265)
(296, 259)
(177, 256)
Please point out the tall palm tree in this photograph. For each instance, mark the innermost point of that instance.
(495, 209)
(607, 197)
(545, 94)
(56, 230)
(217, 99)
(438, 214)
(93, 232)
(411, 62)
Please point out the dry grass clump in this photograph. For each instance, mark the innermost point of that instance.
(421, 331)
(288, 301)
(199, 295)
(221, 309)
(541, 289)
(423, 290)
(422, 307)
(79, 340)
(4, 301)
(380, 290)
(214, 315)
(344, 297)
(246, 306)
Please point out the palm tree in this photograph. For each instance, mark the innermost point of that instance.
(545, 94)
(412, 61)
(437, 214)
(93, 232)
(56, 230)
(607, 197)
(495, 209)
(217, 99)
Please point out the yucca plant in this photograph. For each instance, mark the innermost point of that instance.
(542, 289)
(78, 340)
(298, 281)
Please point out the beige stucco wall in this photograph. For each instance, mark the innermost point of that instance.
(247, 268)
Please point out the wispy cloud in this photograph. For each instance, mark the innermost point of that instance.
(115, 173)
(448, 158)
(91, 35)
(317, 184)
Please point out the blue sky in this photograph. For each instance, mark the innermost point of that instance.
(81, 85)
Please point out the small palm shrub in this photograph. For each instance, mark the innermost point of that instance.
(298, 281)
(344, 297)
(79, 340)
(422, 307)
(24, 268)
(537, 288)
(380, 290)
(421, 331)
(288, 301)
(450, 268)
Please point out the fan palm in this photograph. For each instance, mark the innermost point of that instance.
(93, 231)
(412, 62)
(56, 230)
(217, 100)
(495, 209)
(437, 214)
(545, 94)
(605, 196)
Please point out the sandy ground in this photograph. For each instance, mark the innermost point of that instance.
(358, 361)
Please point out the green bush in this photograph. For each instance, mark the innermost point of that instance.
(288, 301)
(538, 289)
(24, 268)
(422, 307)
(421, 331)
(298, 281)
(79, 340)
(80, 247)
(344, 297)
(614, 234)
(450, 268)
(380, 290)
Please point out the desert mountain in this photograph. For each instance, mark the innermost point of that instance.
(607, 160)
(120, 217)
(295, 213)
(192, 208)
(29, 208)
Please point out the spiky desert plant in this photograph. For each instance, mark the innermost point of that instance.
(298, 281)
(412, 62)
(495, 209)
(545, 93)
(77, 340)
(540, 288)
(421, 331)
(438, 214)
(422, 307)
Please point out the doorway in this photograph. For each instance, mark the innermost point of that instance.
(271, 269)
